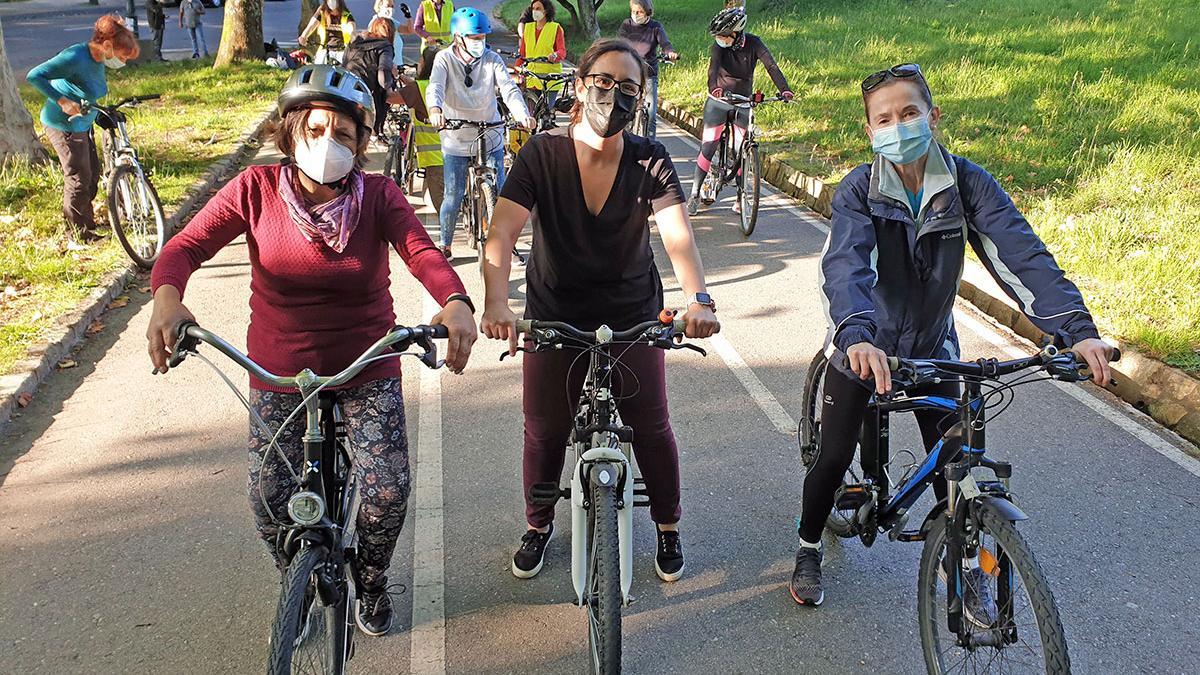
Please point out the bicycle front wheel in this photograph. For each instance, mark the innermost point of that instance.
(1019, 633)
(308, 636)
(604, 579)
(750, 187)
(485, 207)
(136, 215)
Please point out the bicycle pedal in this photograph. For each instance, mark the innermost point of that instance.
(546, 494)
(910, 535)
(851, 497)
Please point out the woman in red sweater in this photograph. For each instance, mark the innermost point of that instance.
(318, 231)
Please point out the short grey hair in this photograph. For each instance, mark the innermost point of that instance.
(646, 5)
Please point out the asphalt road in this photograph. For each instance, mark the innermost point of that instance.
(128, 547)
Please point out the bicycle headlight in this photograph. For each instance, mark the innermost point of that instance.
(306, 508)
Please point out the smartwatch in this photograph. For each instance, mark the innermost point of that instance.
(703, 299)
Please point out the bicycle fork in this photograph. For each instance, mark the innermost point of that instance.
(611, 466)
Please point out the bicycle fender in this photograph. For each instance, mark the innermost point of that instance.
(1001, 506)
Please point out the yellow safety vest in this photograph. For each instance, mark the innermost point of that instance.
(427, 139)
(538, 46)
(437, 26)
(344, 26)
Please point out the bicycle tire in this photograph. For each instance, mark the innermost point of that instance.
(1013, 550)
(290, 632)
(604, 583)
(750, 186)
(410, 166)
(389, 162)
(641, 122)
(838, 523)
(485, 205)
(468, 212)
(142, 246)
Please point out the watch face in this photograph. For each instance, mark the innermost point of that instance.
(704, 298)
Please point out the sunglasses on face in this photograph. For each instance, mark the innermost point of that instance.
(606, 83)
(902, 71)
(468, 81)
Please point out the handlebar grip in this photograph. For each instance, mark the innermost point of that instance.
(439, 332)
(1115, 356)
(524, 326)
(893, 363)
(179, 351)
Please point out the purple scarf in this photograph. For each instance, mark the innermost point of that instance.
(332, 222)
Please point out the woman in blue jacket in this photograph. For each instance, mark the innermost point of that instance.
(76, 74)
(890, 272)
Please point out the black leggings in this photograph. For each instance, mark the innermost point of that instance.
(842, 412)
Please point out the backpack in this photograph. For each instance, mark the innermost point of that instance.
(362, 58)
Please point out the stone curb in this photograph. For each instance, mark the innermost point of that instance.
(1166, 393)
(70, 328)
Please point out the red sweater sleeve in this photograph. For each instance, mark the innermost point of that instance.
(560, 45)
(221, 221)
(406, 233)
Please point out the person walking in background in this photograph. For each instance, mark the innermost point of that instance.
(335, 28)
(77, 74)
(190, 13)
(156, 18)
(649, 38)
(429, 142)
(432, 22)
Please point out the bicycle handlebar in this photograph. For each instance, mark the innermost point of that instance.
(545, 331)
(738, 99)
(399, 339)
(1050, 358)
(452, 124)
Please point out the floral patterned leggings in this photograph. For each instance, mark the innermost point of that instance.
(374, 417)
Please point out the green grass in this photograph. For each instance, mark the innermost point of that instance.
(1086, 110)
(199, 119)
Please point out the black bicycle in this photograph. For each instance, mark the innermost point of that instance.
(603, 486)
(641, 122)
(134, 210)
(971, 544)
(314, 621)
(738, 163)
(400, 161)
(479, 203)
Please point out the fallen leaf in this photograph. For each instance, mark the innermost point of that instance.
(24, 398)
(67, 363)
(94, 328)
(119, 302)
(144, 289)
(37, 316)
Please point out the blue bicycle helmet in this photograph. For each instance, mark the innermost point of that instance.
(469, 21)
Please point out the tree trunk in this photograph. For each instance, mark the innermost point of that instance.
(307, 9)
(242, 33)
(587, 18)
(17, 138)
(566, 4)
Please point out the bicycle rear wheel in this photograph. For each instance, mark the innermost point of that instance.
(1026, 635)
(308, 636)
(840, 521)
(604, 578)
(136, 215)
(749, 186)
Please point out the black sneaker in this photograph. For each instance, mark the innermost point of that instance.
(668, 562)
(373, 611)
(528, 559)
(806, 579)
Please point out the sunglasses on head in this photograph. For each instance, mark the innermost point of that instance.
(902, 71)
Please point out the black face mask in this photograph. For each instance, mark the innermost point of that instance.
(609, 112)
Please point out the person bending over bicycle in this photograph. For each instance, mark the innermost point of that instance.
(463, 85)
(320, 299)
(649, 37)
(541, 37)
(731, 64)
(371, 56)
(594, 189)
(890, 274)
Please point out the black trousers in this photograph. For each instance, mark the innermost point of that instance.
(842, 412)
(81, 176)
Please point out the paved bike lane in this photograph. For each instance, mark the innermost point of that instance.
(128, 545)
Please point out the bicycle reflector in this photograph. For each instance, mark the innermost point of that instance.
(306, 508)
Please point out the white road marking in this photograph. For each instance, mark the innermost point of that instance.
(428, 635)
(1081, 394)
(758, 391)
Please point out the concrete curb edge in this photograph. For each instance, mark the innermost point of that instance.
(71, 328)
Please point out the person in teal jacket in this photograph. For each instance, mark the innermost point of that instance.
(77, 74)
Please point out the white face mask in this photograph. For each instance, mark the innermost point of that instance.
(475, 47)
(538, 15)
(639, 19)
(114, 63)
(324, 160)
(386, 12)
(724, 42)
(332, 4)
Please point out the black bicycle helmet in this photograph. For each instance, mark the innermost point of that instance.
(328, 84)
(728, 21)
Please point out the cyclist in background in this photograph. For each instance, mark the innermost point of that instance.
(542, 37)
(334, 25)
(371, 57)
(734, 55)
(593, 188)
(401, 24)
(432, 22)
(649, 37)
(318, 301)
(425, 136)
(890, 274)
(463, 85)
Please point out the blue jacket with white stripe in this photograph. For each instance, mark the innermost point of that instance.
(888, 281)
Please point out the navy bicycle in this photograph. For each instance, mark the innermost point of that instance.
(971, 543)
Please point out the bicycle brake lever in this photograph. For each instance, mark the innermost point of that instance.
(520, 349)
(685, 345)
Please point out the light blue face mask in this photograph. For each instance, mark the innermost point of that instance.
(903, 143)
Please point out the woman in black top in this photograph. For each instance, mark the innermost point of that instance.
(731, 64)
(649, 37)
(591, 189)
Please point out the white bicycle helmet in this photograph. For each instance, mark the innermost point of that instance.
(328, 84)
